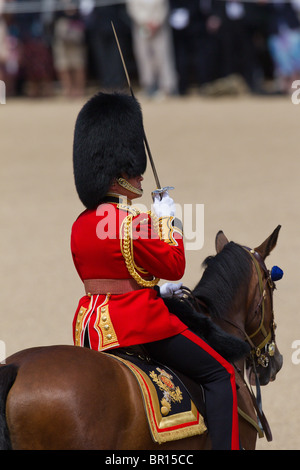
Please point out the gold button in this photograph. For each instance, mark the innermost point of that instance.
(103, 309)
(106, 327)
(104, 318)
(108, 336)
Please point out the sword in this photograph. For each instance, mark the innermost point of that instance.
(159, 189)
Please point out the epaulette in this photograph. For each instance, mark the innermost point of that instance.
(168, 228)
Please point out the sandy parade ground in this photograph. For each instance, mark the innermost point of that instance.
(237, 156)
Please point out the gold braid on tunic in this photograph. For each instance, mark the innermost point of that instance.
(126, 242)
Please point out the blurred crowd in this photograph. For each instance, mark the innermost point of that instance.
(171, 46)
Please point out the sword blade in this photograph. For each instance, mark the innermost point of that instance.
(122, 58)
(148, 151)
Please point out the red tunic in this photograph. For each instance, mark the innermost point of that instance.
(139, 316)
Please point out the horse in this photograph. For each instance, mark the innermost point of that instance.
(66, 397)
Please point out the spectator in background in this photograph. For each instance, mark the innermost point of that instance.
(3, 46)
(104, 54)
(284, 43)
(189, 33)
(296, 7)
(69, 51)
(9, 54)
(35, 64)
(257, 24)
(229, 21)
(153, 46)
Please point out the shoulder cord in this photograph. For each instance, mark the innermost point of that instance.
(127, 252)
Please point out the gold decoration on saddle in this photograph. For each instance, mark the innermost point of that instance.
(165, 384)
(163, 428)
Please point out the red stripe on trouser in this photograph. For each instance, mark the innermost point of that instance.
(235, 444)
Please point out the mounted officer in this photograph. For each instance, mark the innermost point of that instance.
(121, 253)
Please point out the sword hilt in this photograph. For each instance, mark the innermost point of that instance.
(160, 191)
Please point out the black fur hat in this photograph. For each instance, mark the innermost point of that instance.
(108, 141)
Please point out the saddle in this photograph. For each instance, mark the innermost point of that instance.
(174, 404)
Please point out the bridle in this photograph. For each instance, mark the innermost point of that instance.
(262, 352)
(259, 353)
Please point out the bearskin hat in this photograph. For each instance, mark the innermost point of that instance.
(108, 142)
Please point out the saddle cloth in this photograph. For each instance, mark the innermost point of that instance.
(170, 411)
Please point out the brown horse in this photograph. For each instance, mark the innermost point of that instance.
(67, 397)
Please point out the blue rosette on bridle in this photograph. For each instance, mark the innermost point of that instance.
(276, 273)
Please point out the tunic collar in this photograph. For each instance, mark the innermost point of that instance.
(115, 198)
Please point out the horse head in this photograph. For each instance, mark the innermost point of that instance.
(258, 324)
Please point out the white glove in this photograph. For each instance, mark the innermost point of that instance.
(169, 289)
(163, 205)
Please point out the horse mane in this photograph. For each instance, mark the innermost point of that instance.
(223, 276)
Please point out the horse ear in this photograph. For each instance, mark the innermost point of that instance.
(221, 241)
(269, 244)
